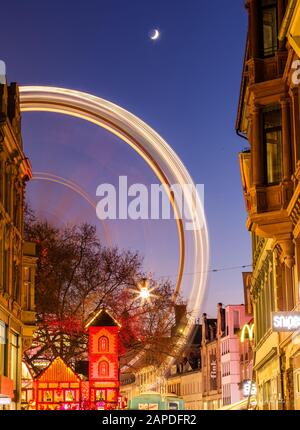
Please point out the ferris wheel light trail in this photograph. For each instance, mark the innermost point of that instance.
(194, 244)
(51, 177)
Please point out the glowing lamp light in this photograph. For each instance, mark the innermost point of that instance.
(144, 293)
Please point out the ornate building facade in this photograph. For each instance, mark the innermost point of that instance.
(269, 118)
(233, 355)
(212, 332)
(17, 260)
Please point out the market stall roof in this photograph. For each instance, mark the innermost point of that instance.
(58, 371)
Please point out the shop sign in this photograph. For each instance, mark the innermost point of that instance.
(6, 387)
(213, 369)
(248, 388)
(285, 321)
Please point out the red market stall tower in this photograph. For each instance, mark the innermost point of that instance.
(103, 352)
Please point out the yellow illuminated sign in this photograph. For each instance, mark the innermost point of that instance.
(247, 328)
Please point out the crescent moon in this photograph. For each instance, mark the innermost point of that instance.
(155, 35)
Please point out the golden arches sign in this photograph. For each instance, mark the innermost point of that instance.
(247, 329)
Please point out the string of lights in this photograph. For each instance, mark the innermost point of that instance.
(222, 269)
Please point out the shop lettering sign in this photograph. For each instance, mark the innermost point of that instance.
(285, 321)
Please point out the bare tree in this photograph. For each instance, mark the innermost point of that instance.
(76, 275)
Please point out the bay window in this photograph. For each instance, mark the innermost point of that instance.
(272, 135)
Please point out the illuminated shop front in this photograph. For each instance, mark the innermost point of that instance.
(104, 396)
(58, 387)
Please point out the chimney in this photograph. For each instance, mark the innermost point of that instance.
(221, 320)
(180, 319)
(204, 328)
(2, 72)
(180, 314)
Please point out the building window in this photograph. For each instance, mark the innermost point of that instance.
(26, 287)
(3, 349)
(267, 395)
(271, 288)
(6, 269)
(236, 321)
(1, 181)
(14, 359)
(272, 144)
(103, 368)
(257, 315)
(103, 344)
(7, 193)
(298, 383)
(269, 28)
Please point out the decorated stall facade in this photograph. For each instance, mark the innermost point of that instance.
(59, 387)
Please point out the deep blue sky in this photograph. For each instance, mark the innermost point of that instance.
(185, 86)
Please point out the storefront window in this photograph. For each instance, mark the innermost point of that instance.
(27, 395)
(267, 395)
(48, 397)
(297, 389)
(70, 396)
(100, 395)
(58, 396)
(3, 348)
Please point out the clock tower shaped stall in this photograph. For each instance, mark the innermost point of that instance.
(104, 381)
